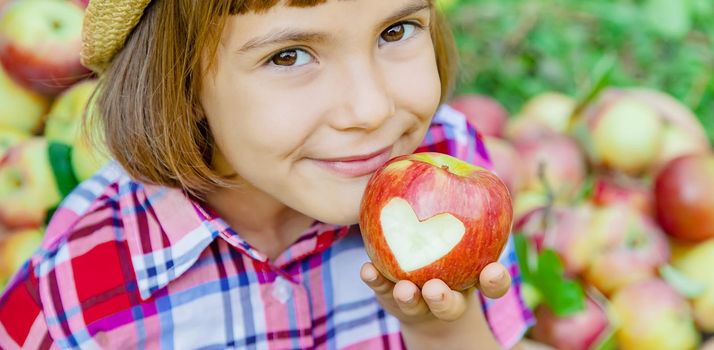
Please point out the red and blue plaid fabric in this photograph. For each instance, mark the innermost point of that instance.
(126, 265)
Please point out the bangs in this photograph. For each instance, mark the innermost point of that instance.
(258, 6)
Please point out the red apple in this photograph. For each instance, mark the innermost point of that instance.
(581, 331)
(506, 163)
(560, 159)
(27, 185)
(563, 229)
(615, 189)
(652, 315)
(630, 247)
(10, 137)
(40, 41)
(81, 3)
(553, 109)
(485, 113)
(22, 108)
(684, 197)
(696, 263)
(429, 215)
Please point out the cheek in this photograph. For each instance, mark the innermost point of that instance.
(417, 84)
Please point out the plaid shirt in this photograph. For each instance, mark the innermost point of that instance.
(127, 265)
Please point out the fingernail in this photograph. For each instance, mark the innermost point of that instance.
(411, 299)
(370, 275)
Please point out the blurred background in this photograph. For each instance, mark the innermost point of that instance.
(598, 115)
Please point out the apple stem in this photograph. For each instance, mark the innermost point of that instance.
(445, 167)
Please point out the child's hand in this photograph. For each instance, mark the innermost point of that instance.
(435, 300)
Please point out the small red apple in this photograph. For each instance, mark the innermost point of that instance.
(522, 130)
(652, 315)
(40, 41)
(429, 215)
(581, 331)
(485, 113)
(560, 160)
(27, 185)
(630, 247)
(684, 197)
(22, 109)
(506, 163)
(615, 189)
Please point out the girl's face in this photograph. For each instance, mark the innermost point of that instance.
(306, 103)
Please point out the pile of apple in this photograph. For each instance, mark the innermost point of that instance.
(622, 190)
(44, 93)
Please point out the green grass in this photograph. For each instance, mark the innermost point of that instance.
(515, 49)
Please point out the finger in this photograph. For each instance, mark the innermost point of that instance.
(444, 303)
(408, 299)
(494, 280)
(374, 279)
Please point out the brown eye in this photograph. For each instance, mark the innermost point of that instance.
(397, 32)
(393, 33)
(291, 58)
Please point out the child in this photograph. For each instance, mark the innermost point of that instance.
(244, 133)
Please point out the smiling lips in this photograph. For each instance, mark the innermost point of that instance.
(356, 166)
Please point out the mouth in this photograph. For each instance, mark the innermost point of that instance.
(357, 165)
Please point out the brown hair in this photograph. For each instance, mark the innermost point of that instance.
(148, 103)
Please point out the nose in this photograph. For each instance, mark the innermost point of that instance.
(367, 103)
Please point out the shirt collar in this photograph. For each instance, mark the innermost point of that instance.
(167, 231)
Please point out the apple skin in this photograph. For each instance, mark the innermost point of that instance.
(432, 184)
(506, 163)
(563, 161)
(629, 248)
(40, 42)
(553, 109)
(27, 185)
(581, 331)
(22, 108)
(16, 248)
(10, 137)
(695, 263)
(652, 315)
(684, 197)
(614, 189)
(65, 117)
(81, 3)
(87, 158)
(485, 113)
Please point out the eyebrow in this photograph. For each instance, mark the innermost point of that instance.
(291, 35)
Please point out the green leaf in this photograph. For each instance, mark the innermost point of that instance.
(564, 296)
(60, 160)
(669, 18)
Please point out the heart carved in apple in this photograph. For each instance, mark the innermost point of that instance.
(429, 215)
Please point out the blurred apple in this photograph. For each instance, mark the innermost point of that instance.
(506, 163)
(630, 248)
(527, 201)
(553, 109)
(619, 189)
(16, 248)
(626, 136)
(684, 197)
(563, 229)
(652, 315)
(27, 185)
(584, 330)
(485, 113)
(696, 263)
(81, 3)
(40, 41)
(559, 159)
(65, 117)
(10, 137)
(521, 130)
(87, 158)
(22, 108)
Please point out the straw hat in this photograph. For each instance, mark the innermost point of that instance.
(107, 23)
